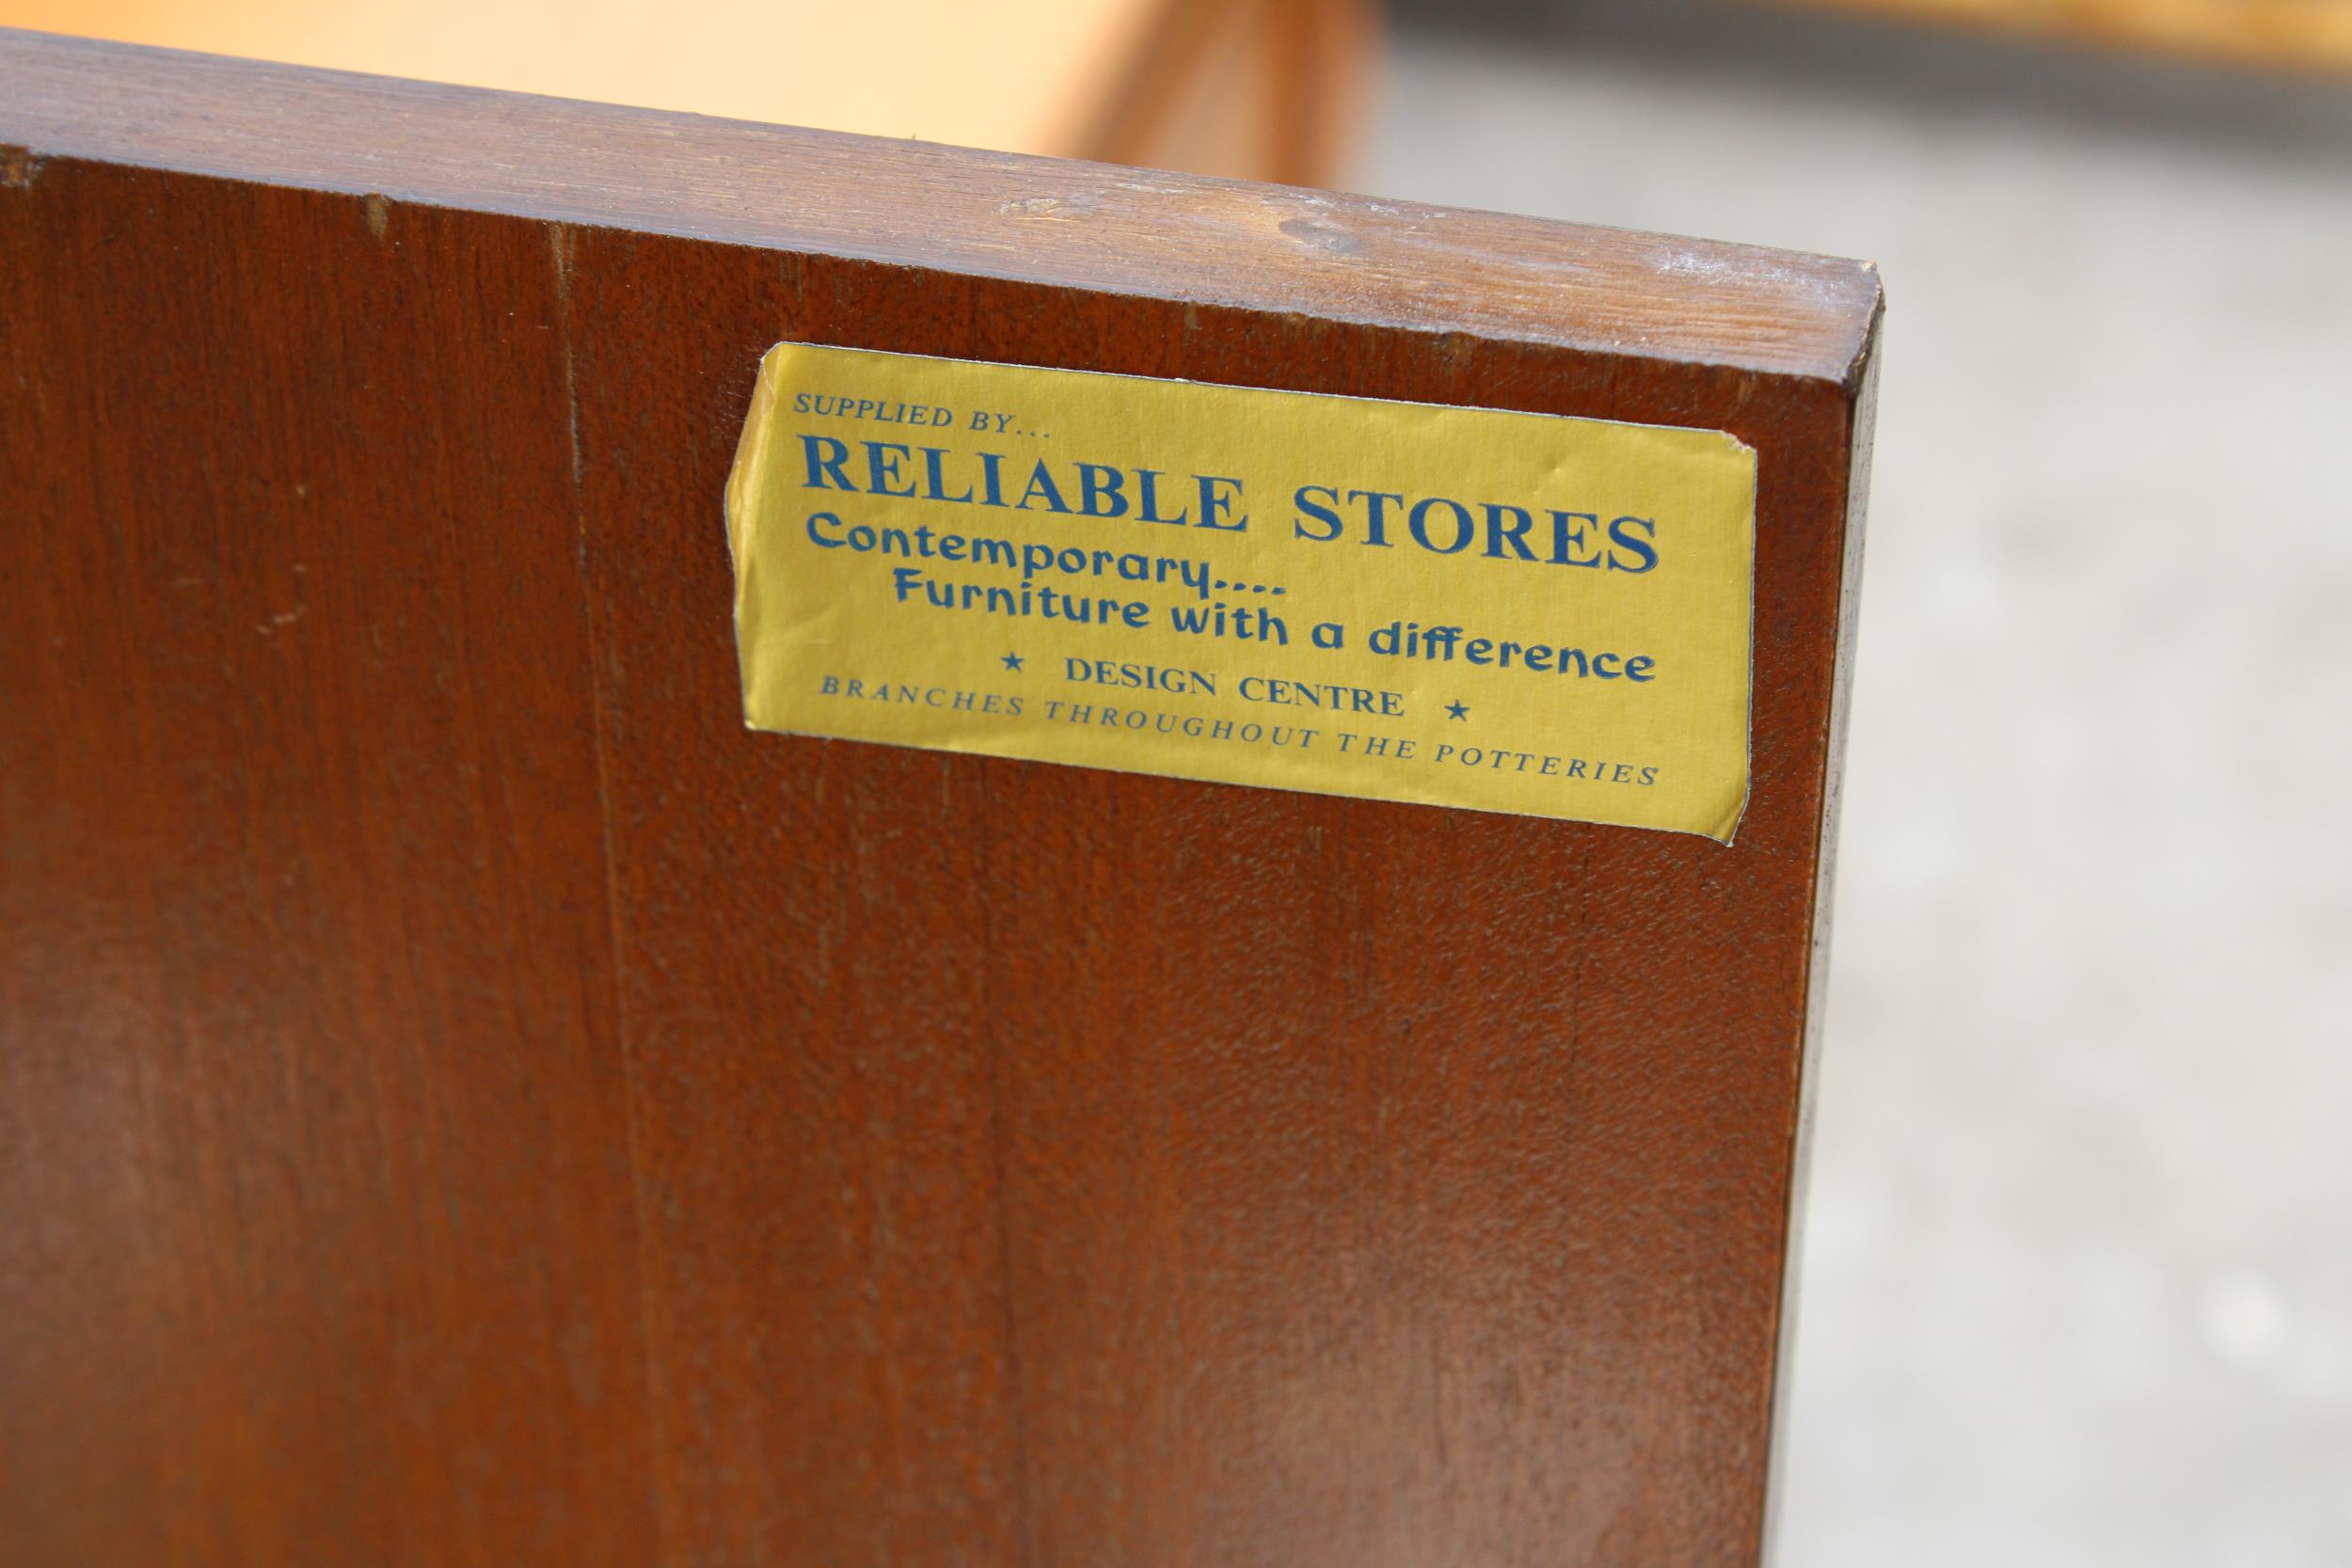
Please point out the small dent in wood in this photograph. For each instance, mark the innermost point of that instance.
(1050, 207)
(20, 166)
(378, 210)
(1327, 237)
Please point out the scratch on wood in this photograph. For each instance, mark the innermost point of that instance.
(378, 209)
(560, 245)
(280, 620)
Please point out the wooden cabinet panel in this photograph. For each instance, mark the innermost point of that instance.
(470, 1100)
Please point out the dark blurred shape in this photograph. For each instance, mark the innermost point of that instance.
(2299, 34)
(1917, 71)
(1255, 90)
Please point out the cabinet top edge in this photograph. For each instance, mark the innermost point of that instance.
(1054, 222)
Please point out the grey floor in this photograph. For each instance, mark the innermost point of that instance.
(2078, 1278)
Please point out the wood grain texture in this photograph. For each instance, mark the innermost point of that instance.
(319, 1241)
(1096, 228)
(468, 1100)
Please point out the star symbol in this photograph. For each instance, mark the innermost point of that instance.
(1012, 661)
(1455, 710)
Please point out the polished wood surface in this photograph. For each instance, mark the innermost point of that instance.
(465, 1100)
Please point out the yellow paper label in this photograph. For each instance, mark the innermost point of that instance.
(1401, 601)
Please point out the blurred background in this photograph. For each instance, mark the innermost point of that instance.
(2078, 1270)
(2077, 1280)
(2076, 1285)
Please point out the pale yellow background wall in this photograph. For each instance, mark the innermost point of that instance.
(1011, 76)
